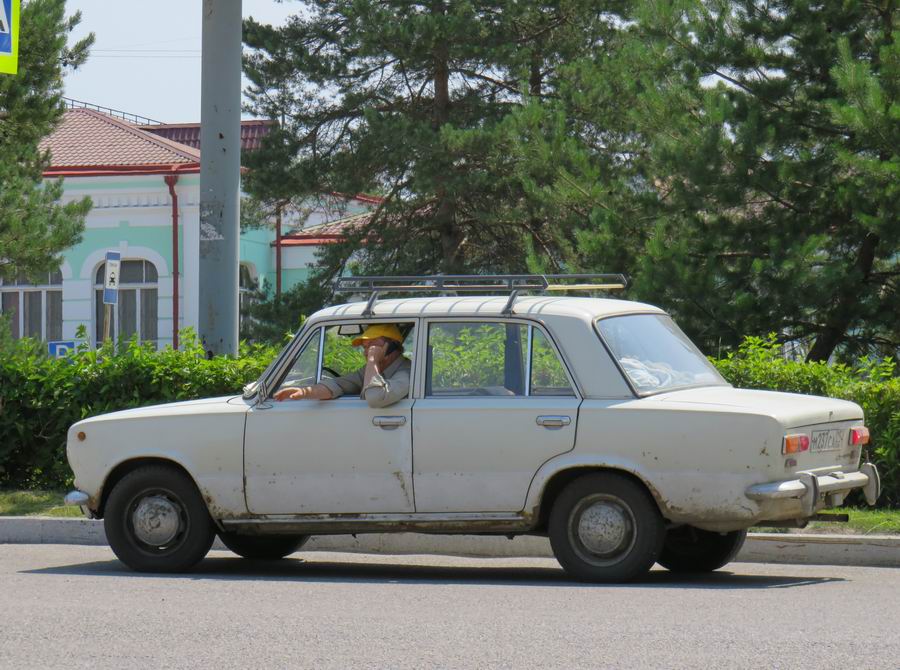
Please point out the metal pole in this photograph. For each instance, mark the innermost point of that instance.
(220, 174)
(278, 251)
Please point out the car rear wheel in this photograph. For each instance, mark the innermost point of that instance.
(689, 549)
(156, 521)
(263, 547)
(605, 527)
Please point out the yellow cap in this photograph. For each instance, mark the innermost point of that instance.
(388, 330)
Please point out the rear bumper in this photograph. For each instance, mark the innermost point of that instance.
(816, 491)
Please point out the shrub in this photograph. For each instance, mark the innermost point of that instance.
(41, 397)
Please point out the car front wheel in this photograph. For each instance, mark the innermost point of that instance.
(689, 549)
(605, 527)
(156, 521)
(263, 547)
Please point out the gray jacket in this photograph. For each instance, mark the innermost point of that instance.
(384, 389)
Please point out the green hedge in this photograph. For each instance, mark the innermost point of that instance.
(41, 397)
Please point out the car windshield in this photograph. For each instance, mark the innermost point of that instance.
(655, 354)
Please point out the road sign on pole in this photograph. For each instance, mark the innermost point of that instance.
(9, 36)
(110, 289)
(111, 278)
(61, 348)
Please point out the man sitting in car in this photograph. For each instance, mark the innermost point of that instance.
(382, 382)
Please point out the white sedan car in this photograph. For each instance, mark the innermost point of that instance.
(592, 421)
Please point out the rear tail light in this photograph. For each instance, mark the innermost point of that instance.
(859, 435)
(794, 444)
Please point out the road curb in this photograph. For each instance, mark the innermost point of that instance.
(791, 548)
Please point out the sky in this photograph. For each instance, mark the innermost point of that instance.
(146, 58)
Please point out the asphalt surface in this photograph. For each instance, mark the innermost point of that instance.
(78, 607)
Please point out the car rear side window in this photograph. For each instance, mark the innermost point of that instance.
(492, 359)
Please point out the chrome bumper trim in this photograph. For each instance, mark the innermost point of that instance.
(79, 498)
(808, 487)
(873, 488)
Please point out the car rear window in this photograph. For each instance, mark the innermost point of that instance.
(655, 355)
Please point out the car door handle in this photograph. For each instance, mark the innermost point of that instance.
(553, 421)
(389, 422)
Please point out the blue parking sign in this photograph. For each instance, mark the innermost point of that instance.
(61, 348)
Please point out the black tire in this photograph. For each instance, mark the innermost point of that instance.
(263, 547)
(689, 549)
(156, 521)
(628, 528)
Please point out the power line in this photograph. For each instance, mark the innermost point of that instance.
(148, 51)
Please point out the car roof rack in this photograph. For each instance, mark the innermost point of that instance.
(373, 286)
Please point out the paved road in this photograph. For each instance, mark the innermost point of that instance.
(77, 607)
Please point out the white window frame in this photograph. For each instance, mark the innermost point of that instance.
(246, 291)
(129, 286)
(21, 289)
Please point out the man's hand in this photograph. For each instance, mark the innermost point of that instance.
(376, 355)
(290, 393)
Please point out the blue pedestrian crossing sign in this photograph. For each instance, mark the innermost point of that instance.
(111, 278)
(9, 36)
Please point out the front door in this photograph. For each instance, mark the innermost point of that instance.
(328, 456)
(498, 403)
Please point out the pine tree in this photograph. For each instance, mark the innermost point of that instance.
(34, 227)
(415, 102)
(775, 155)
(740, 161)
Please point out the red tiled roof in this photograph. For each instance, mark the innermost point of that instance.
(87, 140)
(252, 132)
(325, 233)
(362, 197)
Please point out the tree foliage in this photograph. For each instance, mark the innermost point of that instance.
(34, 227)
(756, 188)
(738, 159)
(412, 100)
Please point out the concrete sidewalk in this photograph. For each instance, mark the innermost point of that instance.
(861, 550)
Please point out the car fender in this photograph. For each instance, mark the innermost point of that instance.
(205, 438)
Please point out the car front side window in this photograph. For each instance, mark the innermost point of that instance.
(303, 371)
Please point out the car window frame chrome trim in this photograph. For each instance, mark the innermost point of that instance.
(321, 354)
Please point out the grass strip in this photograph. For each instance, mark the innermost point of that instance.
(36, 503)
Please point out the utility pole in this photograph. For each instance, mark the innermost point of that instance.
(220, 175)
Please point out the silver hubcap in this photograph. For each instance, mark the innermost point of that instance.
(604, 528)
(156, 520)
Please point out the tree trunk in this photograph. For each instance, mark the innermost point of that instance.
(535, 79)
(444, 214)
(842, 315)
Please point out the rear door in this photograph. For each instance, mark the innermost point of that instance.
(497, 403)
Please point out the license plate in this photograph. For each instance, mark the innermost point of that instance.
(826, 440)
